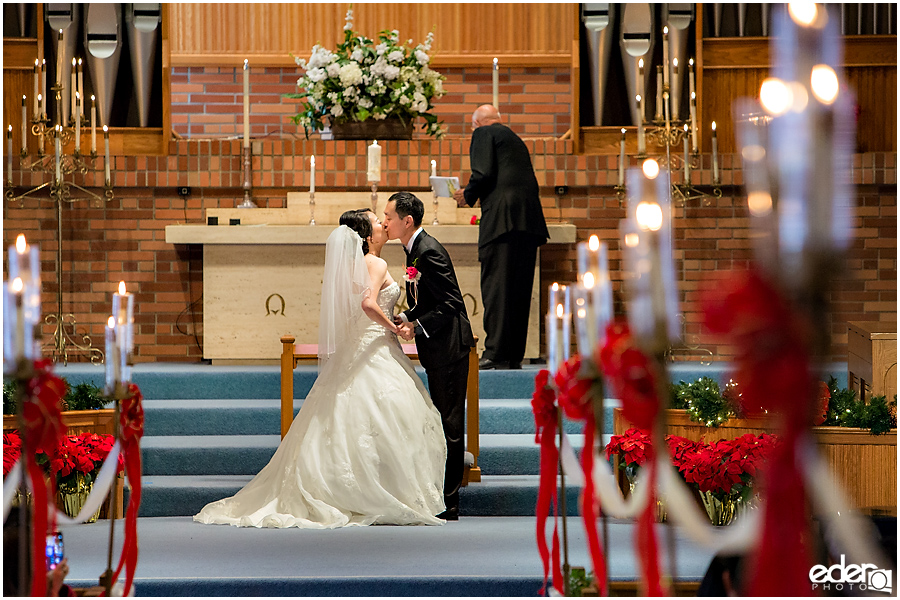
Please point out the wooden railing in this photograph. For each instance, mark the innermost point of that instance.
(291, 354)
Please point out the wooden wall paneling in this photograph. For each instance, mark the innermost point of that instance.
(876, 96)
(165, 49)
(222, 34)
(721, 87)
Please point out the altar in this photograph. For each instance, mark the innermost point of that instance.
(262, 270)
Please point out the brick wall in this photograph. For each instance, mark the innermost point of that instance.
(207, 102)
(125, 238)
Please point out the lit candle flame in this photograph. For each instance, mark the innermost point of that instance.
(581, 313)
(594, 243)
(632, 239)
(649, 216)
(555, 286)
(21, 246)
(824, 83)
(559, 311)
(650, 168)
(17, 285)
(589, 280)
(121, 288)
(111, 322)
(713, 125)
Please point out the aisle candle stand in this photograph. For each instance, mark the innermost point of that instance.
(247, 150)
(58, 165)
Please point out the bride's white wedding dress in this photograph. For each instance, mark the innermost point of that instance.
(366, 447)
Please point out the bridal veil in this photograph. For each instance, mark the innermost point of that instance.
(344, 286)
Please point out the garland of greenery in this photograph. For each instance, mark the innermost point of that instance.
(706, 405)
(84, 396)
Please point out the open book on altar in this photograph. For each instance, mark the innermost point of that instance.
(444, 186)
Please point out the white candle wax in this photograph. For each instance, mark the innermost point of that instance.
(665, 41)
(93, 125)
(80, 88)
(715, 155)
(434, 168)
(693, 122)
(36, 106)
(659, 91)
(622, 159)
(374, 162)
(111, 359)
(58, 150)
(43, 88)
(106, 148)
(24, 124)
(16, 287)
(687, 163)
(312, 174)
(642, 140)
(76, 112)
(246, 103)
(9, 154)
(691, 89)
(72, 89)
(495, 84)
(60, 48)
(123, 316)
(558, 329)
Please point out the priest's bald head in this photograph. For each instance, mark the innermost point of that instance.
(485, 114)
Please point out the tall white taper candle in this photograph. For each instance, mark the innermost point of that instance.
(246, 103)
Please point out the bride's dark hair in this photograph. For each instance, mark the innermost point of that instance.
(358, 221)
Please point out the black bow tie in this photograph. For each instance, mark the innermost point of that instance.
(406, 250)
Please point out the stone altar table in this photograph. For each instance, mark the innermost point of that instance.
(262, 279)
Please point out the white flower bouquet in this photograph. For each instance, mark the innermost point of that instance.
(362, 80)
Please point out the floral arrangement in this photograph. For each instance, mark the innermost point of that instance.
(75, 464)
(844, 409)
(363, 80)
(474, 220)
(12, 449)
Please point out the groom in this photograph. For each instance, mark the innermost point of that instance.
(438, 320)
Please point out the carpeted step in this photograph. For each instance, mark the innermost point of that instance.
(510, 495)
(263, 417)
(501, 454)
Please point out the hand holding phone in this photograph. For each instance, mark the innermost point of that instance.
(54, 550)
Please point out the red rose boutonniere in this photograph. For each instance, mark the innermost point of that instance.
(474, 220)
(411, 277)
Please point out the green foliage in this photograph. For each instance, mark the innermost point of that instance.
(84, 396)
(845, 410)
(702, 401)
(578, 580)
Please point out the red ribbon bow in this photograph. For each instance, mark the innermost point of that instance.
(545, 421)
(575, 383)
(42, 416)
(131, 423)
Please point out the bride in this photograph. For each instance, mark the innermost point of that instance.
(367, 446)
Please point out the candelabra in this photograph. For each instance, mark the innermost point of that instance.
(58, 166)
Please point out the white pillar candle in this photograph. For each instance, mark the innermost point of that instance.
(495, 84)
(25, 263)
(43, 88)
(374, 162)
(693, 122)
(81, 87)
(434, 168)
(16, 288)
(106, 148)
(24, 125)
(9, 154)
(246, 103)
(93, 124)
(665, 42)
(659, 92)
(558, 329)
(72, 89)
(57, 144)
(691, 89)
(622, 159)
(593, 273)
(715, 155)
(687, 162)
(60, 48)
(111, 360)
(642, 140)
(123, 316)
(312, 174)
(76, 112)
(36, 106)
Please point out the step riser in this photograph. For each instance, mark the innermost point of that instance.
(476, 500)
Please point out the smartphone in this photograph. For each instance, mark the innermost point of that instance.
(54, 550)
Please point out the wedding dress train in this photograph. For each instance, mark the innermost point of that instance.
(366, 447)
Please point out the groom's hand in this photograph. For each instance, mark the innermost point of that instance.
(406, 331)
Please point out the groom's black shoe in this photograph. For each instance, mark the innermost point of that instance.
(486, 364)
(451, 514)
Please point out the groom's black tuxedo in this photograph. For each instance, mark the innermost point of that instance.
(443, 344)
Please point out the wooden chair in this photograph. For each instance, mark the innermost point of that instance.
(292, 353)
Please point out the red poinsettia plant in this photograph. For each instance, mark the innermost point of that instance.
(77, 460)
(12, 449)
(633, 448)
